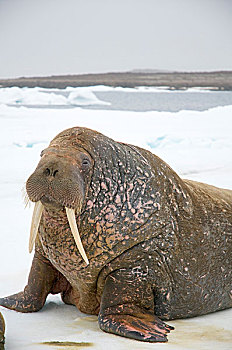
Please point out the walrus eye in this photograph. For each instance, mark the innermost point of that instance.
(85, 164)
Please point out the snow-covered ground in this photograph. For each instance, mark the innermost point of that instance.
(198, 145)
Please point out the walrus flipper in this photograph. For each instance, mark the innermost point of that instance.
(127, 309)
(43, 279)
(2, 331)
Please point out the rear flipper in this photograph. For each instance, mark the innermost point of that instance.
(127, 309)
(43, 279)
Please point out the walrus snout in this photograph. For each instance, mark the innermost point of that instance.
(56, 182)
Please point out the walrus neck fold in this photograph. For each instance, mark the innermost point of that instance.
(36, 217)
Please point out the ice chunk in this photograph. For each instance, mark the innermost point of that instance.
(30, 96)
(84, 97)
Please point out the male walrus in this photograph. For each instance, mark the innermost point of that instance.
(2, 331)
(151, 246)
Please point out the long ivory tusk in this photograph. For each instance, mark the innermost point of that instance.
(74, 229)
(36, 216)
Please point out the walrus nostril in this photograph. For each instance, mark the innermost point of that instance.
(50, 172)
(47, 171)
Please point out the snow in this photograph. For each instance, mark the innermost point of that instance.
(195, 144)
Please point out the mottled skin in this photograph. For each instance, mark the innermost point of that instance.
(158, 246)
(2, 332)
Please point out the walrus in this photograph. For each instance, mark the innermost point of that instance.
(2, 331)
(120, 235)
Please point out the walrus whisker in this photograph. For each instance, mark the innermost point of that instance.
(75, 233)
(36, 216)
(26, 198)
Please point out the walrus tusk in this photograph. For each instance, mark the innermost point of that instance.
(36, 216)
(74, 229)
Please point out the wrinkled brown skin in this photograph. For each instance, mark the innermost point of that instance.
(2, 332)
(159, 247)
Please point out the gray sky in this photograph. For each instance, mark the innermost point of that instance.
(49, 37)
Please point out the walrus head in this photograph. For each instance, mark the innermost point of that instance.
(58, 182)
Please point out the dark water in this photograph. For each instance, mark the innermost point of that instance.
(163, 101)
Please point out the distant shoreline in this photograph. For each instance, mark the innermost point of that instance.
(218, 80)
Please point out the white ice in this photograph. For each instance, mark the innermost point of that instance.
(196, 144)
(84, 97)
(39, 96)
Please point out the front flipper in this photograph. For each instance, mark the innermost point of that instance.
(127, 309)
(149, 330)
(2, 331)
(43, 279)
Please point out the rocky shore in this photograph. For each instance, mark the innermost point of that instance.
(218, 80)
